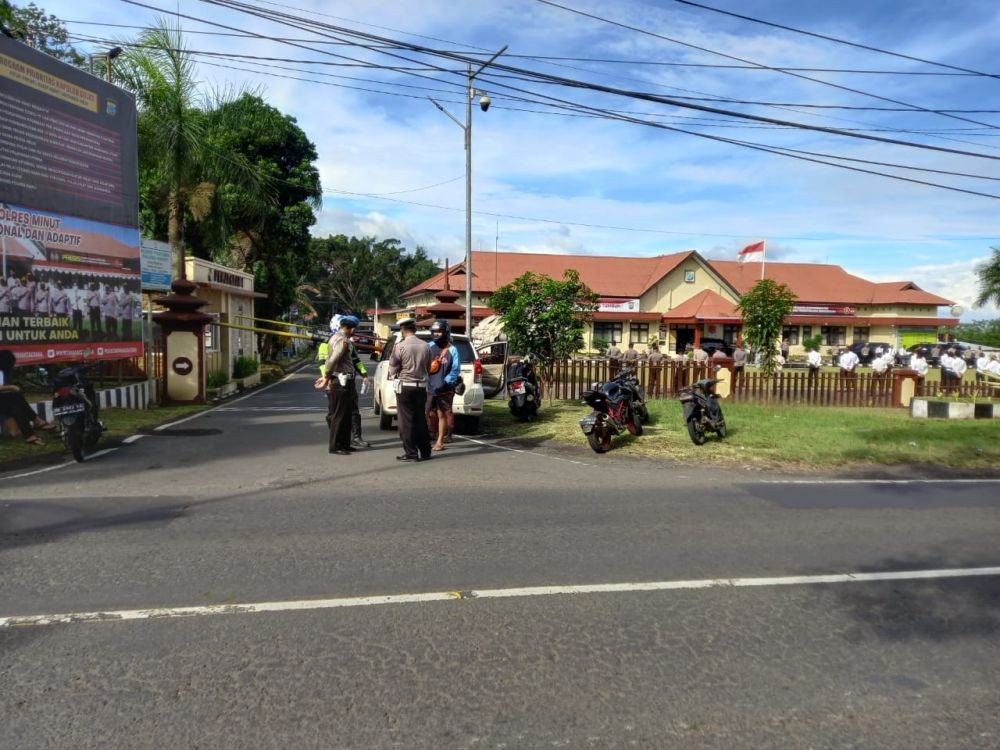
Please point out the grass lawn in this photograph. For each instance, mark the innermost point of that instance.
(120, 423)
(781, 436)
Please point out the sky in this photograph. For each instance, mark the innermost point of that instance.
(551, 177)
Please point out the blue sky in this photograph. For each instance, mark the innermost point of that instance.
(548, 182)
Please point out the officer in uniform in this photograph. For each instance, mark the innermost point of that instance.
(408, 368)
(338, 380)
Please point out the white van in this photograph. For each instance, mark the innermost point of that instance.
(481, 380)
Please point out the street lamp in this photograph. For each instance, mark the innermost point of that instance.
(111, 55)
(484, 104)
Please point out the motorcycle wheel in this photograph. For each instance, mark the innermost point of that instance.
(74, 439)
(633, 422)
(696, 431)
(643, 413)
(721, 429)
(599, 439)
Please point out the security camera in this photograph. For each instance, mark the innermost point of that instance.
(484, 102)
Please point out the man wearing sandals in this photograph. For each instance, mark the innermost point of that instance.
(443, 375)
(14, 406)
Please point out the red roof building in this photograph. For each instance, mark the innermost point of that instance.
(682, 297)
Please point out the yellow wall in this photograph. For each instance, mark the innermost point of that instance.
(672, 289)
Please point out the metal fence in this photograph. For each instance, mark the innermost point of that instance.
(571, 378)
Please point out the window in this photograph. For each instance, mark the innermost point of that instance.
(731, 334)
(861, 335)
(212, 335)
(638, 333)
(608, 332)
(807, 331)
(833, 335)
(791, 333)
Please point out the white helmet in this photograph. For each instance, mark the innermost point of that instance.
(335, 323)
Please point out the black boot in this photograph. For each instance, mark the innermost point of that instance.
(356, 439)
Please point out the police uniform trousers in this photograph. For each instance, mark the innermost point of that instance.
(410, 403)
(341, 403)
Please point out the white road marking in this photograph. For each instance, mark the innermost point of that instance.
(522, 450)
(442, 596)
(40, 471)
(981, 480)
(271, 408)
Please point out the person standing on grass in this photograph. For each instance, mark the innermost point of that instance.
(814, 362)
(739, 364)
(957, 368)
(614, 355)
(631, 357)
(982, 366)
(918, 363)
(848, 361)
(655, 360)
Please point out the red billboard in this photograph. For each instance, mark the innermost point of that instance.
(69, 230)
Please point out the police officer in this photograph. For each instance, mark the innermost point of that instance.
(322, 352)
(338, 379)
(408, 368)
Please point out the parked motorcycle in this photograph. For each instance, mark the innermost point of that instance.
(702, 411)
(74, 404)
(629, 379)
(615, 410)
(523, 389)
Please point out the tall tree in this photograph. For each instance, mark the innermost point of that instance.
(43, 32)
(353, 273)
(545, 316)
(267, 237)
(764, 310)
(178, 166)
(989, 281)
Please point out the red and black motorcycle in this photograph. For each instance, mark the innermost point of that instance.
(617, 407)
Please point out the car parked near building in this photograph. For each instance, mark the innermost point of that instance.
(468, 407)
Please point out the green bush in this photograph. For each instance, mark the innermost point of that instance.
(599, 344)
(244, 366)
(216, 379)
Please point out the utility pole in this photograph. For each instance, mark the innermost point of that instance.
(484, 103)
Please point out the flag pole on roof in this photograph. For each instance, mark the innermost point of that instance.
(753, 252)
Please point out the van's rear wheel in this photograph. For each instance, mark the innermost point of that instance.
(385, 421)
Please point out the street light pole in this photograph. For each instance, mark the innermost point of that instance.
(467, 128)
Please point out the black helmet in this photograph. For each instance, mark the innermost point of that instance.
(444, 328)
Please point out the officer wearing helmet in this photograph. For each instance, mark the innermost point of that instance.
(338, 380)
(444, 373)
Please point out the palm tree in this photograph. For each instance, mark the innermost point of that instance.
(989, 281)
(174, 154)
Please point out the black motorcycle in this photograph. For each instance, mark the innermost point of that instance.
(615, 410)
(74, 404)
(523, 390)
(702, 411)
(629, 379)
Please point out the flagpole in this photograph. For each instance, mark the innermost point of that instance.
(763, 258)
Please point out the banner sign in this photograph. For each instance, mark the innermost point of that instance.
(617, 304)
(69, 212)
(824, 310)
(157, 265)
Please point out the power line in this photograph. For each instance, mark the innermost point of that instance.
(601, 88)
(761, 65)
(283, 18)
(966, 71)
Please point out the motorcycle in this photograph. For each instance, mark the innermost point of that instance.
(628, 379)
(524, 391)
(74, 404)
(615, 410)
(702, 411)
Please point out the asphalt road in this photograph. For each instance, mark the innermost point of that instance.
(243, 505)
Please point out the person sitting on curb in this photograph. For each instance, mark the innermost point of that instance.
(14, 405)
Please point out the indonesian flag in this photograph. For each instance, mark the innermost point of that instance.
(751, 253)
